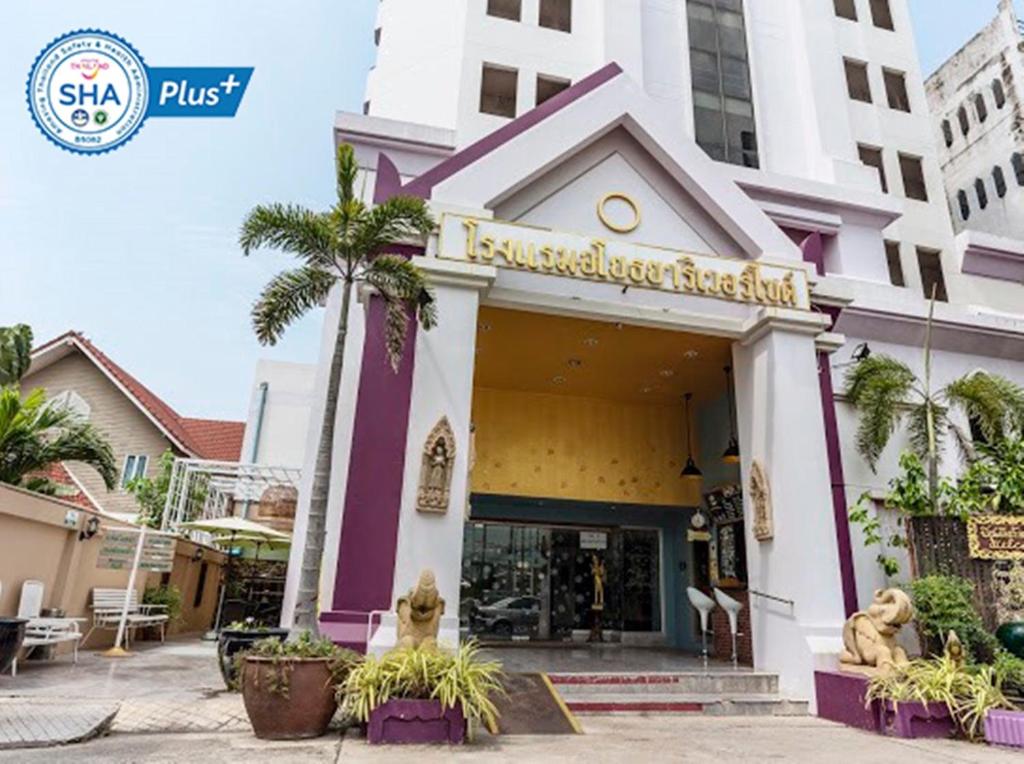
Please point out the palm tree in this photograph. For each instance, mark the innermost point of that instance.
(35, 433)
(15, 352)
(344, 245)
(885, 392)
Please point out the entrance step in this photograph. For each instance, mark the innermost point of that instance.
(678, 683)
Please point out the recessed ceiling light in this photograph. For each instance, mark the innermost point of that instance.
(590, 342)
(484, 326)
(689, 355)
(667, 373)
(574, 363)
(559, 380)
(646, 389)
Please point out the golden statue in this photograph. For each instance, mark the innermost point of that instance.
(419, 613)
(869, 636)
(597, 569)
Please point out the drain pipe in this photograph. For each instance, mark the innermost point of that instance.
(255, 450)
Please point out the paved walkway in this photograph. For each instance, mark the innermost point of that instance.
(39, 722)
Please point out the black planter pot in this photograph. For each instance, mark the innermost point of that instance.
(233, 641)
(12, 633)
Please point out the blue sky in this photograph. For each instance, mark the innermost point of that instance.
(136, 248)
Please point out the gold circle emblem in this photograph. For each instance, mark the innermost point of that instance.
(629, 202)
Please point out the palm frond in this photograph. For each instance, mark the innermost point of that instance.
(15, 352)
(405, 291)
(917, 428)
(397, 219)
(346, 170)
(879, 387)
(995, 403)
(292, 229)
(287, 297)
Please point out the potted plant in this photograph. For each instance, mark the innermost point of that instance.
(289, 686)
(237, 637)
(12, 634)
(422, 695)
(1004, 726)
(166, 600)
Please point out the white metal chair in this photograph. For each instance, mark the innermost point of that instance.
(108, 606)
(41, 631)
(704, 605)
(732, 609)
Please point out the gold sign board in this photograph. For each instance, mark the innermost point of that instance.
(539, 250)
(996, 537)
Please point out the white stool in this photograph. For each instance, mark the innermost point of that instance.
(732, 609)
(704, 605)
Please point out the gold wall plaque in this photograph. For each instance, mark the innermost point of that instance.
(996, 537)
(606, 219)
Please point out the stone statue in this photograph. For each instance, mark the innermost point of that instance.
(419, 613)
(761, 499)
(436, 469)
(869, 636)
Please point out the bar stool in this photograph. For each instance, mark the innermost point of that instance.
(704, 605)
(732, 609)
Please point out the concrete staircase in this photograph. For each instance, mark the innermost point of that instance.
(722, 693)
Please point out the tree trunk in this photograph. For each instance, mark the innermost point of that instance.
(306, 610)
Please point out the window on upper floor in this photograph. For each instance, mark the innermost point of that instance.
(947, 133)
(720, 76)
(980, 107)
(964, 204)
(998, 93)
(366, 107)
(999, 180)
(556, 14)
(896, 89)
(73, 402)
(965, 123)
(505, 9)
(134, 467)
(498, 90)
(892, 258)
(846, 9)
(872, 157)
(1017, 160)
(929, 262)
(857, 84)
(881, 14)
(913, 177)
(548, 87)
(982, 193)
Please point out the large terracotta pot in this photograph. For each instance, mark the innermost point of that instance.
(12, 633)
(1011, 636)
(416, 721)
(288, 698)
(230, 642)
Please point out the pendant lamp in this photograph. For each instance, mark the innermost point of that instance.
(732, 451)
(691, 470)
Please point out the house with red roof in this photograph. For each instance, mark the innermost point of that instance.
(139, 424)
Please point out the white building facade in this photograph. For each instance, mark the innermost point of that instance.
(634, 196)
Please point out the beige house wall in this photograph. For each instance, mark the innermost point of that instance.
(130, 430)
(39, 540)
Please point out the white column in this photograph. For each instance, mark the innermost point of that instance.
(781, 425)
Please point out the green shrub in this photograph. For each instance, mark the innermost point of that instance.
(946, 603)
(167, 595)
(283, 652)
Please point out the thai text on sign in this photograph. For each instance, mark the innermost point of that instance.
(996, 537)
(538, 250)
(117, 552)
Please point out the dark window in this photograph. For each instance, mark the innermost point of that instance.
(947, 133)
(505, 9)
(913, 178)
(872, 157)
(366, 107)
(892, 257)
(857, 84)
(999, 93)
(965, 205)
(556, 14)
(999, 180)
(1018, 167)
(846, 9)
(881, 14)
(498, 91)
(548, 87)
(979, 189)
(896, 90)
(965, 124)
(977, 431)
(722, 100)
(376, 35)
(197, 601)
(929, 262)
(979, 105)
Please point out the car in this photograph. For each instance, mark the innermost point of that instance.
(507, 616)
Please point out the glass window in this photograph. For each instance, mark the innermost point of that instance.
(846, 9)
(722, 95)
(999, 93)
(881, 14)
(556, 14)
(872, 157)
(896, 89)
(965, 205)
(892, 257)
(929, 262)
(947, 133)
(979, 189)
(498, 91)
(999, 180)
(1018, 167)
(857, 84)
(505, 9)
(965, 124)
(548, 87)
(913, 178)
(134, 467)
(979, 106)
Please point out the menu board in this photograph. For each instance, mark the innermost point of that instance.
(117, 551)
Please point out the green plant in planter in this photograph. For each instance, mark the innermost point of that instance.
(458, 677)
(167, 595)
(946, 603)
(283, 653)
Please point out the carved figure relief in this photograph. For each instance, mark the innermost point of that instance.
(761, 500)
(869, 636)
(436, 469)
(419, 613)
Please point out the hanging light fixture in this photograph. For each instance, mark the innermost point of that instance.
(691, 470)
(732, 451)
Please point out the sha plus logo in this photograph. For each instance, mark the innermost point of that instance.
(90, 92)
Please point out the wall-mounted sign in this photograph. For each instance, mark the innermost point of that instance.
(593, 540)
(539, 250)
(996, 537)
(118, 551)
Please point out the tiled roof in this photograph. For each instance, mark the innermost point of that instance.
(197, 439)
(58, 473)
